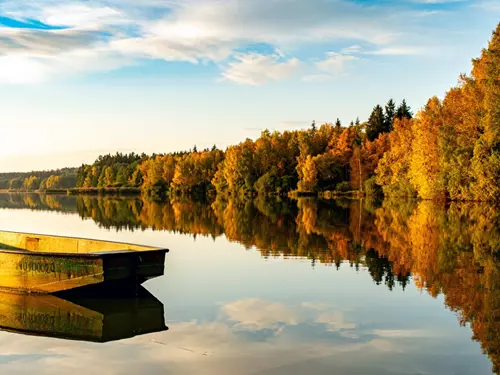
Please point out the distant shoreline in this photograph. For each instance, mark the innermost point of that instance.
(79, 191)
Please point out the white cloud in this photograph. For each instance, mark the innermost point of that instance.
(439, 1)
(257, 69)
(45, 43)
(490, 6)
(394, 51)
(335, 62)
(351, 49)
(79, 15)
(318, 78)
(118, 32)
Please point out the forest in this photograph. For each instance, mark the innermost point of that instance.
(42, 180)
(448, 150)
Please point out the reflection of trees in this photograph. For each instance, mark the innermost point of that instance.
(111, 212)
(454, 251)
(40, 202)
(451, 250)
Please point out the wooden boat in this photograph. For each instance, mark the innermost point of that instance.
(49, 264)
(83, 318)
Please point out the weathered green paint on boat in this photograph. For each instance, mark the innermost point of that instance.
(48, 264)
(94, 319)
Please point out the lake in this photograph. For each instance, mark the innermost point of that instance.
(271, 287)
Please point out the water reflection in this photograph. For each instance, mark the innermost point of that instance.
(83, 318)
(445, 250)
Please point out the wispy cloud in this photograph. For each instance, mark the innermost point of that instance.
(439, 1)
(394, 51)
(119, 32)
(335, 63)
(490, 6)
(256, 69)
(318, 78)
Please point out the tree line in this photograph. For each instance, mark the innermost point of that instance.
(449, 150)
(39, 180)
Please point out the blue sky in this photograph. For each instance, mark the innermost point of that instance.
(80, 78)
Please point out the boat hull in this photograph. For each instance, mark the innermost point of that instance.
(46, 264)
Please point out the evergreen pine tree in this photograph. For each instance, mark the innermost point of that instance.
(375, 124)
(390, 114)
(404, 111)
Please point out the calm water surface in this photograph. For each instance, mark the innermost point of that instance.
(273, 288)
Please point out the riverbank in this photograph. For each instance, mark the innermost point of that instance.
(79, 191)
(328, 194)
(105, 191)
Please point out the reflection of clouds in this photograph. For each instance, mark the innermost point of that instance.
(404, 333)
(255, 314)
(334, 321)
(315, 305)
(308, 338)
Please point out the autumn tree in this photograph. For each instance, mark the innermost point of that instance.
(308, 175)
(392, 170)
(31, 183)
(486, 160)
(425, 167)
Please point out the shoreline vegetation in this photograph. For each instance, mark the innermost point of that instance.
(448, 151)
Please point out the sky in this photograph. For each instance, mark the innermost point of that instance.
(83, 78)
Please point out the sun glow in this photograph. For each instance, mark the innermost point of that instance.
(21, 70)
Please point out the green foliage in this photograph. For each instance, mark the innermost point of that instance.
(343, 187)
(371, 188)
(15, 181)
(268, 184)
(31, 183)
(376, 123)
(389, 115)
(404, 111)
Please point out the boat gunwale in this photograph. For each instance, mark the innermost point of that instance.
(100, 254)
(103, 254)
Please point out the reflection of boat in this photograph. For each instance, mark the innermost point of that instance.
(95, 319)
(48, 264)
